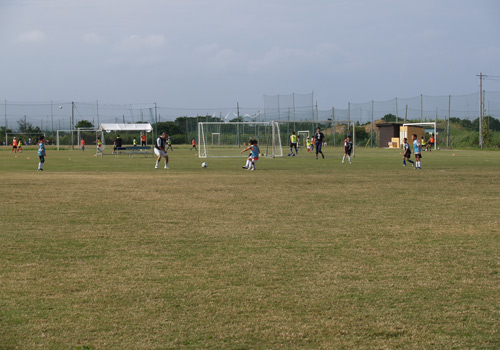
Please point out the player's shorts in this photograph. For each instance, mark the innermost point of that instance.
(348, 152)
(254, 159)
(14, 146)
(160, 152)
(293, 144)
(407, 154)
(318, 146)
(42, 159)
(418, 155)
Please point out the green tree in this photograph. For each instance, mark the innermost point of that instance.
(84, 124)
(391, 118)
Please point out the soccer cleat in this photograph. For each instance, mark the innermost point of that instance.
(166, 167)
(244, 167)
(323, 155)
(156, 166)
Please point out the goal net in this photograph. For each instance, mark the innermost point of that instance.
(421, 130)
(219, 139)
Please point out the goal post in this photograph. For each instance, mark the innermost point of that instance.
(404, 131)
(222, 140)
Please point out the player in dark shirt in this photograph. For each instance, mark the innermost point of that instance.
(318, 139)
(347, 149)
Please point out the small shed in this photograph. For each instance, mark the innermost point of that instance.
(387, 132)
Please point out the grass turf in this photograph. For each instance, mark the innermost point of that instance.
(302, 253)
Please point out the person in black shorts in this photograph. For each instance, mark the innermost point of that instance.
(318, 139)
(406, 152)
(347, 149)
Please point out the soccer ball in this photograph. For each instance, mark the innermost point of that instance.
(204, 165)
(60, 107)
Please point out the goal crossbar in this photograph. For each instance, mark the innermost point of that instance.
(425, 123)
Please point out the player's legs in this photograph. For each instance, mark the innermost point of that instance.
(40, 163)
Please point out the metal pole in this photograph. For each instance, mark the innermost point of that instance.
(421, 107)
(5, 111)
(371, 132)
(481, 110)
(397, 113)
(448, 128)
(72, 124)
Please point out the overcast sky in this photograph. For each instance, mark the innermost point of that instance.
(212, 53)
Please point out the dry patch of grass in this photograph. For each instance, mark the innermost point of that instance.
(367, 256)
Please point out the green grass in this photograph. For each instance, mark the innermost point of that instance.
(300, 254)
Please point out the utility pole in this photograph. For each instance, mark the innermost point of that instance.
(481, 108)
(72, 124)
(448, 129)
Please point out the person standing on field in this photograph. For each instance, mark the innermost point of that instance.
(318, 139)
(347, 149)
(82, 143)
(160, 150)
(407, 152)
(41, 152)
(293, 144)
(143, 139)
(417, 149)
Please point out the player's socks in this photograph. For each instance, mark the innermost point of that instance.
(404, 162)
(343, 158)
(156, 165)
(349, 159)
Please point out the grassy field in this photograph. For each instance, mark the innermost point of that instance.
(300, 254)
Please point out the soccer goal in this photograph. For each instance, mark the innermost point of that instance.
(219, 139)
(406, 128)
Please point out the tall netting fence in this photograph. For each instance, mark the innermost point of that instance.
(293, 107)
(48, 117)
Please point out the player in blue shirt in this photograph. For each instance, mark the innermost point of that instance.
(417, 149)
(41, 152)
(254, 155)
(407, 152)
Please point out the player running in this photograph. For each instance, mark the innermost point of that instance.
(347, 149)
(254, 155)
(407, 152)
(417, 149)
(318, 138)
(160, 150)
(14, 146)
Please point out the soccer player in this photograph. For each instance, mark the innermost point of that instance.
(422, 143)
(430, 143)
(118, 143)
(143, 139)
(308, 144)
(20, 146)
(193, 144)
(169, 143)
(134, 142)
(254, 155)
(99, 145)
(160, 150)
(347, 149)
(14, 146)
(293, 144)
(318, 138)
(407, 152)
(417, 149)
(82, 143)
(41, 152)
